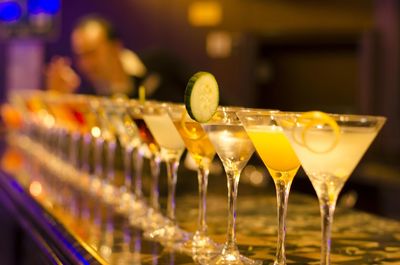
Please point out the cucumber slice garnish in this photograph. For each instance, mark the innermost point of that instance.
(202, 96)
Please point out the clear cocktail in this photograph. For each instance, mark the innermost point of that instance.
(162, 128)
(234, 148)
(329, 148)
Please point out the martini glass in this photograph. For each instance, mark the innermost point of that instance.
(80, 120)
(329, 147)
(234, 148)
(19, 101)
(74, 114)
(71, 111)
(201, 149)
(54, 139)
(66, 136)
(84, 115)
(153, 218)
(128, 135)
(279, 158)
(105, 140)
(43, 130)
(41, 121)
(171, 146)
(78, 115)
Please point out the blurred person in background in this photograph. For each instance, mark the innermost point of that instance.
(112, 69)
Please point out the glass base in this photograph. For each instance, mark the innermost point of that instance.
(125, 202)
(137, 212)
(232, 258)
(281, 263)
(201, 248)
(108, 193)
(170, 235)
(95, 186)
(84, 182)
(199, 243)
(153, 221)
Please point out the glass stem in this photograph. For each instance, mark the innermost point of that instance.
(50, 140)
(98, 157)
(155, 173)
(138, 158)
(138, 242)
(42, 135)
(128, 151)
(172, 167)
(74, 143)
(60, 147)
(54, 146)
(282, 195)
(86, 152)
(111, 147)
(202, 175)
(233, 181)
(327, 208)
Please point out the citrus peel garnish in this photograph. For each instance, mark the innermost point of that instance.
(311, 120)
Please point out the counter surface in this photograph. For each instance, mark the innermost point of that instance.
(96, 234)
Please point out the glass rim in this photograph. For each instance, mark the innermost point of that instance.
(241, 108)
(336, 116)
(257, 112)
(176, 110)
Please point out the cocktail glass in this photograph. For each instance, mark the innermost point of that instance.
(153, 218)
(108, 135)
(77, 114)
(202, 151)
(85, 115)
(329, 147)
(66, 138)
(41, 121)
(43, 129)
(281, 161)
(163, 129)
(234, 148)
(116, 110)
(74, 113)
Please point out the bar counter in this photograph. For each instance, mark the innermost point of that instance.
(92, 232)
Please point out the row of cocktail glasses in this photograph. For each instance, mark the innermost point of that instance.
(327, 146)
(75, 126)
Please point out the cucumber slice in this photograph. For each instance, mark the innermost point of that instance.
(202, 96)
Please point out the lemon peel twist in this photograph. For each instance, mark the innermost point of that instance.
(312, 119)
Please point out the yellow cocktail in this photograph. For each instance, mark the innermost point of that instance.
(202, 151)
(196, 141)
(275, 151)
(281, 161)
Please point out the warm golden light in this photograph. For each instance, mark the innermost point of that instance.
(219, 44)
(12, 118)
(256, 178)
(11, 160)
(96, 132)
(205, 13)
(35, 188)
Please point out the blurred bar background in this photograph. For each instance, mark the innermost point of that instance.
(336, 56)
